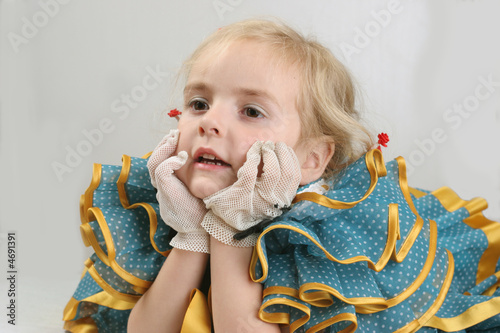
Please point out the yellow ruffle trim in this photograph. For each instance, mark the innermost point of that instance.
(451, 202)
(198, 317)
(89, 213)
(84, 325)
(196, 320)
(108, 297)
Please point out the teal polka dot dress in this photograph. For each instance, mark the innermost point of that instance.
(363, 252)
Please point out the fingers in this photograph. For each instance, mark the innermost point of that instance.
(167, 182)
(167, 145)
(289, 163)
(171, 164)
(172, 137)
(281, 176)
(281, 166)
(280, 162)
(271, 170)
(291, 173)
(248, 172)
(163, 150)
(179, 160)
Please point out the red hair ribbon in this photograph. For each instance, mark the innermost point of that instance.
(174, 113)
(383, 138)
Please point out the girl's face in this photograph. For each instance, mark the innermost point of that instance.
(232, 100)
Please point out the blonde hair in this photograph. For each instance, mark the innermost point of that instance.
(326, 101)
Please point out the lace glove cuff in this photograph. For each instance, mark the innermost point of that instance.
(193, 241)
(224, 233)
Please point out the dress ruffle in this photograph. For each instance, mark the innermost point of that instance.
(121, 221)
(374, 255)
(364, 252)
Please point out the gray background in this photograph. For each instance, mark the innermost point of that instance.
(67, 75)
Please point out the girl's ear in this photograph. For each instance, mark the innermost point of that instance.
(320, 153)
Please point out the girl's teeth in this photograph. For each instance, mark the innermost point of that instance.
(209, 156)
(210, 159)
(214, 163)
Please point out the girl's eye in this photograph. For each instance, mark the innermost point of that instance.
(253, 113)
(198, 105)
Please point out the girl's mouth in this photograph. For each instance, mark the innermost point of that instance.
(211, 159)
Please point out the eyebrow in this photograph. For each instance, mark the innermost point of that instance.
(200, 86)
(257, 93)
(197, 86)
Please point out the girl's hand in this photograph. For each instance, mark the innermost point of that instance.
(253, 197)
(178, 207)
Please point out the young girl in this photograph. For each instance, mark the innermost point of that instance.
(269, 190)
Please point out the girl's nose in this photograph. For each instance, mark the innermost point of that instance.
(212, 123)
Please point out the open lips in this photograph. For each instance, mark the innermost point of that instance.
(211, 159)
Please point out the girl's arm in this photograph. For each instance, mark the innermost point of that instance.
(235, 297)
(163, 306)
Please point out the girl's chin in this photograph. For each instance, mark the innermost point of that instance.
(204, 189)
(202, 184)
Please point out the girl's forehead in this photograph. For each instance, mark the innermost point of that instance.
(236, 53)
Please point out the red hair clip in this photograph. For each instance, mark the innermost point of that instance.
(174, 113)
(383, 138)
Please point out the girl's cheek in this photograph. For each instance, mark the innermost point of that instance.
(264, 134)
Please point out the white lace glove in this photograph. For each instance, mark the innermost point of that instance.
(178, 207)
(253, 198)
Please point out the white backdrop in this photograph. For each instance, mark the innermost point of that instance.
(87, 81)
